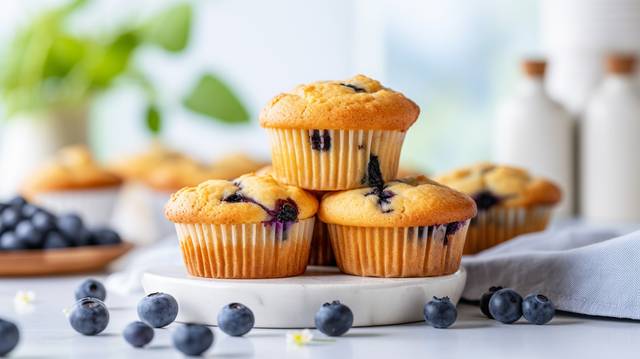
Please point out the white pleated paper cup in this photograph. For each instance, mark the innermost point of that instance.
(498, 224)
(321, 252)
(399, 251)
(336, 160)
(245, 251)
(95, 206)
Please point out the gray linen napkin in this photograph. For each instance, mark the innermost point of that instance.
(582, 270)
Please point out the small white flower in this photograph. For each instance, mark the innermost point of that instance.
(23, 301)
(299, 338)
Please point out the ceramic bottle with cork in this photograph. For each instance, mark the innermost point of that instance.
(610, 146)
(535, 132)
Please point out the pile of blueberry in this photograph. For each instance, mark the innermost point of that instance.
(90, 316)
(507, 306)
(26, 226)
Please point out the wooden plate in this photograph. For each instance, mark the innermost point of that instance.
(60, 261)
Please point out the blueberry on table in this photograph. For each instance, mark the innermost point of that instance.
(9, 337)
(334, 319)
(192, 339)
(158, 309)
(440, 313)
(138, 334)
(538, 309)
(10, 242)
(484, 301)
(506, 306)
(43, 221)
(105, 236)
(91, 288)
(89, 316)
(235, 319)
(55, 240)
(27, 233)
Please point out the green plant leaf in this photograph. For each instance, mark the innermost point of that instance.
(213, 98)
(109, 61)
(153, 119)
(169, 29)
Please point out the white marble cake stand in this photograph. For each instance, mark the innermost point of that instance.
(293, 302)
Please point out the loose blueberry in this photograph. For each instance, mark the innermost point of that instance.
(10, 218)
(440, 312)
(89, 316)
(9, 337)
(192, 339)
(235, 319)
(505, 306)
(55, 240)
(484, 301)
(27, 233)
(105, 236)
(538, 309)
(70, 225)
(91, 288)
(158, 309)
(10, 242)
(17, 201)
(43, 221)
(334, 319)
(29, 210)
(138, 334)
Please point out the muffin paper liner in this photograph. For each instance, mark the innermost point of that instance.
(252, 250)
(95, 206)
(342, 164)
(398, 252)
(321, 252)
(497, 224)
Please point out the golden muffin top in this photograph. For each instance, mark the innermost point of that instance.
(495, 185)
(407, 202)
(138, 166)
(356, 103)
(72, 168)
(248, 199)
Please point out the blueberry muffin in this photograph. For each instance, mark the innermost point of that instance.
(409, 227)
(73, 181)
(324, 135)
(510, 202)
(252, 227)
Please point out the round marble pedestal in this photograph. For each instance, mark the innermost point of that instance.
(293, 302)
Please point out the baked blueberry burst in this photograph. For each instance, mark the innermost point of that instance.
(281, 217)
(373, 178)
(355, 88)
(485, 200)
(320, 141)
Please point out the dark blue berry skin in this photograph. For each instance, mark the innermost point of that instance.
(484, 301)
(334, 319)
(192, 339)
(29, 210)
(55, 240)
(506, 306)
(27, 233)
(89, 316)
(43, 221)
(10, 242)
(440, 313)
(70, 225)
(17, 201)
(486, 200)
(158, 309)
(235, 319)
(538, 309)
(138, 334)
(10, 218)
(105, 236)
(91, 288)
(9, 337)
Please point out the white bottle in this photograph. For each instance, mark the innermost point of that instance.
(534, 132)
(610, 147)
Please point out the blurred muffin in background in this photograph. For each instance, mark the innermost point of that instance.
(510, 202)
(74, 182)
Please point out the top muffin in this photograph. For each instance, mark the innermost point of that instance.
(72, 168)
(248, 199)
(401, 203)
(356, 103)
(494, 185)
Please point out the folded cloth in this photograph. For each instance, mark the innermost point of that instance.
(582, 270)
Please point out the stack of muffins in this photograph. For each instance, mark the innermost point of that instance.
(335, 153)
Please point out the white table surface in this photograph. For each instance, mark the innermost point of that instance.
(46, 334)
